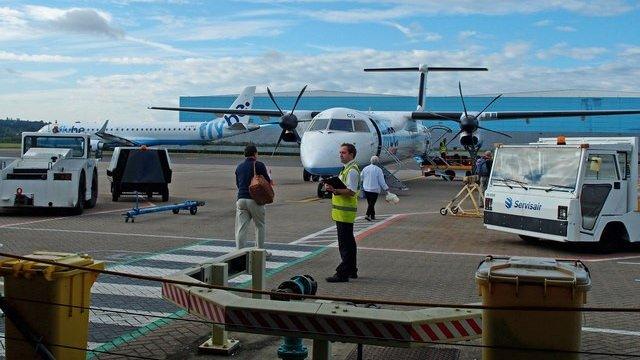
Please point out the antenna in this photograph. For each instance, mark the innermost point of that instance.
(423, 70)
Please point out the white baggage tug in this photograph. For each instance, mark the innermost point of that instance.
(566, 189)
(54, 171)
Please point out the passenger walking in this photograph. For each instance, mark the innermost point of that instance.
(372, 184)
(344, 204)
(246, 208)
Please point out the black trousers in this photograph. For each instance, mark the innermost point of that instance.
(347, 247)
(372, 197)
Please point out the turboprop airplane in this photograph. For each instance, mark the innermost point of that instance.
(391, 135)
(156, 133)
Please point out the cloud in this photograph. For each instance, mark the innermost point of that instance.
(414, 32)
(516, 49)
(41, 76)
(564, 50)
(467, 34)
(75, 20)
(565, 28)
(542, 23)
(229, 30)
(53, 58)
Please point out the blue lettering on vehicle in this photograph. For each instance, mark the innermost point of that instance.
(526, 205)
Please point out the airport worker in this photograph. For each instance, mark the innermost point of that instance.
(246, 208)
(483, 170)
(372, 183)
(344, 204)
(443, 148)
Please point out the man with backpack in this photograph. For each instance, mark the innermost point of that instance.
(483, 170)
(247, 208)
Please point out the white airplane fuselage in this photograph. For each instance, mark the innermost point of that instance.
(390, 135)
(157, 133)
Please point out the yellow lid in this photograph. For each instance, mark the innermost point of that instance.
(27, 269)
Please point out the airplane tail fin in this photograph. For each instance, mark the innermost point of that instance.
(244, 101)
(423, 70)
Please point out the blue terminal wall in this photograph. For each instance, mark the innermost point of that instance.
(599, 124)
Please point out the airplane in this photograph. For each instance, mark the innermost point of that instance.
(391, 135)
(150, 134)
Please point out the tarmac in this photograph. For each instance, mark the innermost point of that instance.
(411, 253)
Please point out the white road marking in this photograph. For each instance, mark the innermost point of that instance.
(628, 263)
(611, 331)
(62, 217)
(226, 249)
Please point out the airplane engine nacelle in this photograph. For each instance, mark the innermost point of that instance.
(470, 139)
(96, 145)
(289, 136)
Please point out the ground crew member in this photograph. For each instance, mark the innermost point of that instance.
(246, 208)
(372, 184)
(483, 170)
(443, 149)
(344, 204)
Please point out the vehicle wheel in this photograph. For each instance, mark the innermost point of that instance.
(450, 175)
(149, 195)
(315, 178)
(454, 210)
(91, 203)
(82, 189)
(320, 191)
(175, 211)
(528, 239)
(165, 193)
(443, 211)
(193, 210)
(306, 176)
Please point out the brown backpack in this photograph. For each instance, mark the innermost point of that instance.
(260, 189)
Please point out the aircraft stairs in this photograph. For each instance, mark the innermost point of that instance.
(390, 177)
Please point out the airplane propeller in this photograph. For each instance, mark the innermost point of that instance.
(288, 122)
(469, 123)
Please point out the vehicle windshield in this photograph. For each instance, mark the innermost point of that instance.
(76, 144)
(555, 168)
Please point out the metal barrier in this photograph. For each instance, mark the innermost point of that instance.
(321, 321)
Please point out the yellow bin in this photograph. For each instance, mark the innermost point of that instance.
(48, 284)
(529, 281)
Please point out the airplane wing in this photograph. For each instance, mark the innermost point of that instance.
(113, 139)
(302, 114)
(507, 115)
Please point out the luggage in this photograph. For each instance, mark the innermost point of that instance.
(260, 189)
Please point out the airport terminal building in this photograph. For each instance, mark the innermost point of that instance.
(521, 130)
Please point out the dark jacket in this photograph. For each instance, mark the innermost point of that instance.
(244, 174)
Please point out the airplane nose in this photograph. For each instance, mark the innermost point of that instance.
(319, 154)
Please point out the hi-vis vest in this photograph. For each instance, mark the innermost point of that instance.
(343, 207)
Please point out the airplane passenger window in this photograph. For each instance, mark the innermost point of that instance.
(360, 126)
(341, 125)
(319, 124)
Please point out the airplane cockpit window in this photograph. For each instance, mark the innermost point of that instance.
(360, 126)
(319, 124)
(341, 125)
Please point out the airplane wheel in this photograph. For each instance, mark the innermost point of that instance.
(193, 210)
(306, 176)
(315, 178)
(443, 211)
(175, 211)
(165, 193)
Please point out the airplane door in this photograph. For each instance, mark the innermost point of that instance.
(604, 191)
(376, 138)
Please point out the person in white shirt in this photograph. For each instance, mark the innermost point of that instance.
(372, 184)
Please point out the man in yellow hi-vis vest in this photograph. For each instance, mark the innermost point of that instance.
(344, 204)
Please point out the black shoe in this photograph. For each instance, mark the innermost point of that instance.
(367, 218)
(337, 278)
(353, 275)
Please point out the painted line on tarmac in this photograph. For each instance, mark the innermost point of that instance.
(305, 200)
(628, 263)
(611, 331)
(379, 226)
(62, 217)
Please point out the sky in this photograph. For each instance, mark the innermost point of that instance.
(111, 59)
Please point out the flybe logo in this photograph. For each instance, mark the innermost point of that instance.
(509, 203)
(235, 116)
(70, 129)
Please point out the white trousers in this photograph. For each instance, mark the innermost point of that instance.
(247, 210)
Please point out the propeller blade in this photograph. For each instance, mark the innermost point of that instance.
(274, 101)
(454, 137)
(489, 104)
(494, 131)
(298, 99)
(461, 98)
(278, 143)
(298, 140)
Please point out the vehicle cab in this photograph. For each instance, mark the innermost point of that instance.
(566, 189)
